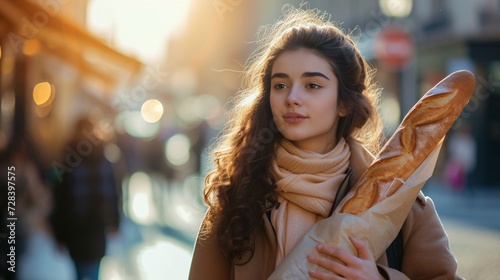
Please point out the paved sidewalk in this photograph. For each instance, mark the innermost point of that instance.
(146, 253)
(476, 249)
(472, 221)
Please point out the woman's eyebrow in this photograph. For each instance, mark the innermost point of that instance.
(305, 74)
(315, 74)
(279, 75)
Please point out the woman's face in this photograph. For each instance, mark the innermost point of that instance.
(304, 100)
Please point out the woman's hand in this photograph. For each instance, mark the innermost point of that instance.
(348, 267)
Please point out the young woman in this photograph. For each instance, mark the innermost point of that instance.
(306, 116)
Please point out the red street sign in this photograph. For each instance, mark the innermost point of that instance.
(393, 47)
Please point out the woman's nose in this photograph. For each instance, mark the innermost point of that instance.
(293, 97)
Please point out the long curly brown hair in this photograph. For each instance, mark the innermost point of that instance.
(240, 189)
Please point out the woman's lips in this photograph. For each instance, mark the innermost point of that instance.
(293, 117)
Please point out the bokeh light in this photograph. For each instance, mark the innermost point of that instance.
(185, 111)
(8, 103)
(391, 113)
(135, 125)
(177, 149)
(194, 109)
(396, 8)
(112, 152)
(207, 106)
(43, 93)
(31, 47)
(111, 269)
(140, 202)
(152, 110)
(7, 64)
(163, 260)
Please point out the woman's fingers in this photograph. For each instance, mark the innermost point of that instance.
(362, 248)
(342, 264)
(324, 276)
(333, 263)
(342, 255)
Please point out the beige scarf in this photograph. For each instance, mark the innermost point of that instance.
(306, 184)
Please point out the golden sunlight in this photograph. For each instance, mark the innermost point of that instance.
(139, 28)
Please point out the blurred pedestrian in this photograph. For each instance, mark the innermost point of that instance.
(86, 201)
(307, 115)
(462, 153)
(35, 250)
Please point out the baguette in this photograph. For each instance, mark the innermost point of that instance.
(420, 132)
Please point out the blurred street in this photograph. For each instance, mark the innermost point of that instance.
(155, 80)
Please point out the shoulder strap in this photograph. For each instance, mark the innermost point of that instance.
(395, 252)
(341, 193)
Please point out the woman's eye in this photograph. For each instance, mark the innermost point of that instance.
(313, 86)
(279, 86)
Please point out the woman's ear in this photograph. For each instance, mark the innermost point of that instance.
(342, 111)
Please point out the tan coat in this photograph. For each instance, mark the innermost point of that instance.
(426, 252)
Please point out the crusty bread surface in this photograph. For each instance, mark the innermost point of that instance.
(420, 132)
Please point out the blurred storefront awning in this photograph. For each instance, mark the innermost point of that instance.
(24, 20)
